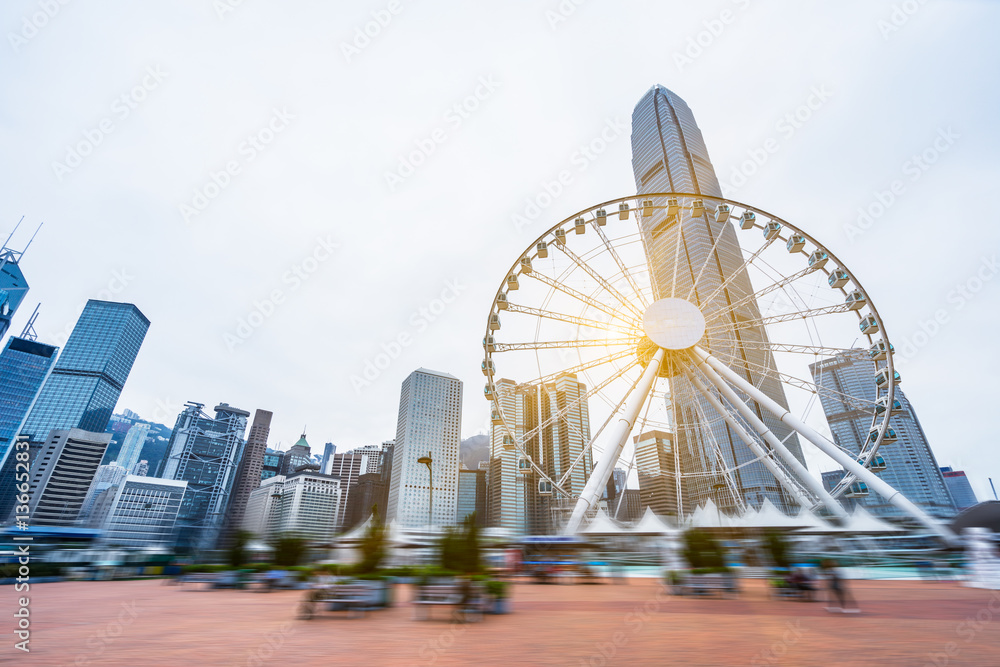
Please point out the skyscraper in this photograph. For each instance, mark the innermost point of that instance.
(298, 455)
(429, 424)
(107, 476)
(139, 512)
(303, 504)
(89, 376)
(205, 452)
(128, 456)
(13, 286)
(669, 156)
(328, 451)
(959, 488)
(61, 475)
(24, 367)
(471, 496)
(250, 468)
(911, 467)
(515, 500)
(655, 464)
(349, 467)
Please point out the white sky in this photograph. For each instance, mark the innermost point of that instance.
(322, 176)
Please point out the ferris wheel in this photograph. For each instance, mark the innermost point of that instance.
(700, 322)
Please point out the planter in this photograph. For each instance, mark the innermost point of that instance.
(500, 606)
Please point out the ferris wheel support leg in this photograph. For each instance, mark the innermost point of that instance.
(800, 497)
(793, 463)
(616, 437)
(874, 482)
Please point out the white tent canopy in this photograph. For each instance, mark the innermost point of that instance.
(650, 524)
(602, 524)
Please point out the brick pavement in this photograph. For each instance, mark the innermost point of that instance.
(148, 624)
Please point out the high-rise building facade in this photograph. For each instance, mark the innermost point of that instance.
(304, 504)
(329, 449)
(349, 467)
(911, 467)
(517, 500)
(13, 286)
(655, 463)
(139, 512)
(248, 475)
(669, 156)
(89, 376)
(369, 491)
(61, 475)
(959, 488)
(271, 464)
(24, 367)
(205, 452)
(471, 496)
(128, 456)
(107, 476)
(429, 424)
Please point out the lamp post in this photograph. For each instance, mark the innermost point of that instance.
(428, 461)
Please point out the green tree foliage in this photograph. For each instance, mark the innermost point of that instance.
(236, 555)
(460, 550)
(702, 550)
(777, 546)
(372, 546)
(289, 550)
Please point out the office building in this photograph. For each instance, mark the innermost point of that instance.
(139, 512)
(304, 504)
(629, 506)
(107, 476)
(655, 464)
(553, 423)
(669, 156)
(471, 496)
(911, 467)
(349, 467)
(370, 490)
(84, 386)
(128, 456)
(270, 465)
(24, 366)
(205, 452)
(13, 286)
(248, 474)
(61, 475)
(329, 449)
(959, 488)
(300, 454)
(429, 425)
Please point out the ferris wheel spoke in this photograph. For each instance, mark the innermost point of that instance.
(727, 473)
(784, 317)
(814, 350)
(608, 287)
(594, 438)
(563, 344)
(738, 272)
(710, 369)
(752, 299)
(571, 319)
(765, 457)
(576, 370)
(621, 264)
(704, 265)
(580, 296)
(797, 382)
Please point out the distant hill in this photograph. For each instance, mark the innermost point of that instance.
(154, 450)
(473, 450)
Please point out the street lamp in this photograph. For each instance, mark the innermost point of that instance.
(428, 461)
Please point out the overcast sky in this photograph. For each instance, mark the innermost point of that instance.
(245, 173)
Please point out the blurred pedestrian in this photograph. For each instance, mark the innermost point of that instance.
(838, 589)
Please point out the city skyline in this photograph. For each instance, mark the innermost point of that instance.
(813, 177)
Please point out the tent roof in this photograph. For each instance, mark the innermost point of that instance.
(602, 524)
(650, 524)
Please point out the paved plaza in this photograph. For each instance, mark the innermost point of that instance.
(149, 624)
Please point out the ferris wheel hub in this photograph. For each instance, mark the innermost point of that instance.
(674, 324)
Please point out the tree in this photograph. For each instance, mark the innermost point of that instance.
(372, 545)
(236, 555)
(777, 546)
(702, 550)
(289, 550)
(460, 550)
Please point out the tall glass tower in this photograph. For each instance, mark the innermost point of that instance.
(13, 286)
(87, 380)
(692, 258)
(911, 467)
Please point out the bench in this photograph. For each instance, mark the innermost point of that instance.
(452, 594)
(784, 591)
(707, 585)
(350, 597)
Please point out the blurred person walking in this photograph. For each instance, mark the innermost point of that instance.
(838, 589)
